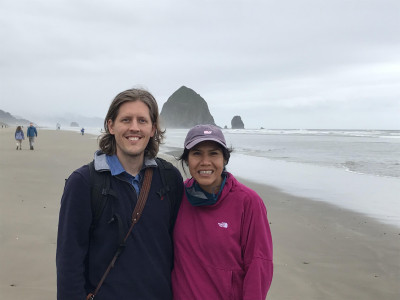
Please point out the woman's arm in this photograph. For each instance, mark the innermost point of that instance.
(257, 249)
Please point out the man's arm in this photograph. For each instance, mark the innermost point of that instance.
(73, 238)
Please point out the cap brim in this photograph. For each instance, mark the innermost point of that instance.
(197, 141)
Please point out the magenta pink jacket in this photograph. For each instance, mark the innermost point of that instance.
(223, 251)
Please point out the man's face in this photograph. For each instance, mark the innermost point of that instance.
(132, 130)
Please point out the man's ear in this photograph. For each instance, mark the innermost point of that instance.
(110, 126)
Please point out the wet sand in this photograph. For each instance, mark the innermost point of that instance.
(320, 251)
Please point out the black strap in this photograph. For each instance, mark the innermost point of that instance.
(164, 166)
(169, 188)
(137, 213)
(100, 192)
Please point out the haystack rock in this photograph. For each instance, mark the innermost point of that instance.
(185, 109)
(237, 123)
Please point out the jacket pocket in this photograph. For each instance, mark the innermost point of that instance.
(220, 283)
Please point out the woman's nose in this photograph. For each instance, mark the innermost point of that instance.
(205, 160)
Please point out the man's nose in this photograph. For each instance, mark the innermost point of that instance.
(134, 125)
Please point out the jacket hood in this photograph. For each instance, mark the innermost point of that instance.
(100, 162)
(229, 184)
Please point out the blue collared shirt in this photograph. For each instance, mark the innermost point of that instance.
(116, 169)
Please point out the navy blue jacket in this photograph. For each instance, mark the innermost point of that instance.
(143, 271)
(31, 131)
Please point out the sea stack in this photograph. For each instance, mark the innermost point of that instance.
(237, 123)
(185, 109)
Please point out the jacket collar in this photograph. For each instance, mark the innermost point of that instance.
(100, 162)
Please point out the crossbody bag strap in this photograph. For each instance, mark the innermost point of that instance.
(137, 213)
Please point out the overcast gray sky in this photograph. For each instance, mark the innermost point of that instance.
(277, 64)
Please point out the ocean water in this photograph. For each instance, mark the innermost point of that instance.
(354, 169)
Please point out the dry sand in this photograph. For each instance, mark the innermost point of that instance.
(320, 251)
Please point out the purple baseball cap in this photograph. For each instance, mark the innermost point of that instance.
(201, 133)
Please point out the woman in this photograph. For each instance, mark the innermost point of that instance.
(19, 136)
(222, 239)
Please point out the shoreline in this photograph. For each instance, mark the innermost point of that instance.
(320, 251)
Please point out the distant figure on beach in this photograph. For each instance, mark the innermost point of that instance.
(31, 133)
(140, 258)
(83, 131)
(19, 136)
(222, 239)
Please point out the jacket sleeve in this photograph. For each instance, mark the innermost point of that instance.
(178, 197)
(73, 238)
(256, 249)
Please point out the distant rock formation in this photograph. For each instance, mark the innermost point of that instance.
(7, 118)
(185, 109)
(237, 123)
(74, 124)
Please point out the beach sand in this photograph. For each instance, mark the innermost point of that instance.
(320, 251)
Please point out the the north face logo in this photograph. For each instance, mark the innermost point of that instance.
(223, 224)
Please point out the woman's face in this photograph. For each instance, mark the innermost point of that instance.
(206, 163)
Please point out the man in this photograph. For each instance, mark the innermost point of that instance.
(31, 133)
(143, 270)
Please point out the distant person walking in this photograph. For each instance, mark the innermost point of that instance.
(83, 131)
(31, 133)
(19, 136)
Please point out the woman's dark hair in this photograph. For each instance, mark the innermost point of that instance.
(18, 129)
(107, 141)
